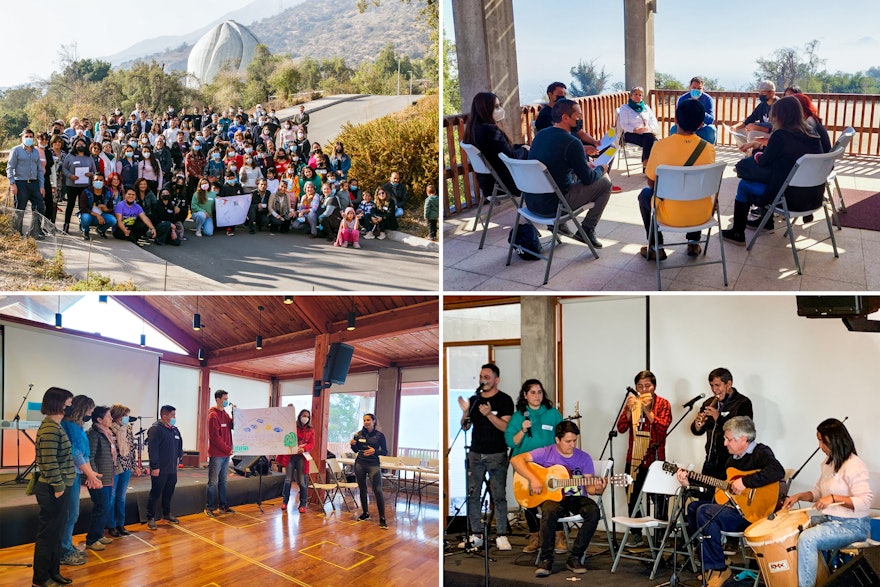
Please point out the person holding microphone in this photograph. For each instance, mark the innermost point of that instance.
(369, 444)
(219, 451)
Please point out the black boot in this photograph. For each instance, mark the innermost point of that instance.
(736, 234)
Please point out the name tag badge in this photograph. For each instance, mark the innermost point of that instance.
(362, 439)
(494, 412)
(223, 425)
(724, 414)
(177, 438)
(546, 427)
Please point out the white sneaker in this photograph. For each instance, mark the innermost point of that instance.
(502, 543)
(476, 542)
(199, 232)
(357, 246)
(381, 236)
(369, 235)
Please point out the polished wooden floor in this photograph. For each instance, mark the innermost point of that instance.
(262, 549)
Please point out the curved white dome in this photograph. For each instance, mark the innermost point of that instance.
(227, 43)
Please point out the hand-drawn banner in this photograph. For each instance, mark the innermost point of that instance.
(264, 431)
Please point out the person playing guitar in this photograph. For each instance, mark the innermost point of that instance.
(578, 463)
(745, 455)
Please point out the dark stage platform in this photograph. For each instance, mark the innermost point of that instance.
(18, 512)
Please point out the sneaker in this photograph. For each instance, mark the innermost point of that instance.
(545, 568)
(210, 513)
(718, 578)
(616, 189)
(74, 559)
(737, 238)
(86, 236)
(105, 540)
(381, 236)
(652, 256)
(574, 565)
(694, 250)
(151, 524)
(357, 246)
(171, 519)
(383, 524)
(199, 232)
(635, 541)
(475, 542)
(302, 509)
(369, 236)
(227, 510)
(102, 233)
(502, 543)
(363, 516)
(230, 232)
(96, 545)
(283, 507)
(534, 543)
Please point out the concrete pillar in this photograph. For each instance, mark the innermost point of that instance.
(538, 340)
(486, 49)
(638, 19)
(388, 405)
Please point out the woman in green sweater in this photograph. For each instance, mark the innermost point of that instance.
(202, 207)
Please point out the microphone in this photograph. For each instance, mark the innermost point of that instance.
(691, 403)
(527, 418)
(132, 419)
(736, 505)
(480, 387)
(632, 391)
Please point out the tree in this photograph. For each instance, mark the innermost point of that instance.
(429, 18)
(786, 68)
(286, 80)
(451, 86)
(587, 81)
(257, 87)
(665, 81)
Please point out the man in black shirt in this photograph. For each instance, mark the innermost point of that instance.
(488, 454)
(726, 403)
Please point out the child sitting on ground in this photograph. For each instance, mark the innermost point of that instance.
(365, 210)
(348, 230)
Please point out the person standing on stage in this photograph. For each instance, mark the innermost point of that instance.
(55, 465)
(533, 425)
(296, 463)
(574, 500)
(103, 458)
(219, 451)
(490, 411)
(369, 444)
(746, 455)
(647, 418)
(843, 495)
(127, 462)
(725, 404)
(166, 448)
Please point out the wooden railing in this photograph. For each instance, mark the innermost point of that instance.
(838, 111)
(340, 448)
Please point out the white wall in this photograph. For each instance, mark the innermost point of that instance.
(179, 387)
(243, 392)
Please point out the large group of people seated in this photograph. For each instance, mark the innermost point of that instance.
(176, 164)
(772, 138)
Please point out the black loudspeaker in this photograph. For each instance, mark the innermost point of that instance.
(862, 571)
(247, 465)
(830, 306)
(337, 363)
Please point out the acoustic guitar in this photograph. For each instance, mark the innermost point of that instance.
(554, 479)
(756, 503)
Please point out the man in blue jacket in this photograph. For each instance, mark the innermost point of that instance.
(166, 448)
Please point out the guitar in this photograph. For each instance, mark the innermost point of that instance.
(554, 479)
(756, 503)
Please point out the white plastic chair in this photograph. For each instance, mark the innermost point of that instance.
(532, 177)
(657, 482)
(687, 184)
(499, 193)
(809, 171)
(842, 142)
(329, 489)
(342, 483)
(621, 141)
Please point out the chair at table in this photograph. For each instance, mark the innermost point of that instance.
(313, 480)
(687, 184)
(390, 476)
(342, 483)
(657, 482)
(842, 142)
(499, 193)
(531, 176)
(809, 171)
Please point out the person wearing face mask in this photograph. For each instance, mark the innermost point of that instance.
(230, 187)
(78, 169)
(149, 169)
(167, 214)
(103, 458)
(638, 123)
(219, 451)
(397, 192)
(215, 168)
(194, 164)
(52, 154)
(340, 162)
(564, 157)
(131, 222)
(279, 210)
(180, 201)
(202, 206)
(126, 451)
(166, 448)
(707, 132)
(127, 167)
(94, 209)
(250, 172)
(369, 444)
(25, 173)
(483, 132)
(162, 154)
(302, 146)
(296, 463)
(757, 124)
(286, 135)
(180, 149)
(301, 119)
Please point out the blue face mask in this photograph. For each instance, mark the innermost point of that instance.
(197, 148)
(98, 184)
(225, 403)
(173, 421)
(216, 156)
(695, 93)
(29, 141)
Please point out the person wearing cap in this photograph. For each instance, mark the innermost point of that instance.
(758, 122)
(25, 173)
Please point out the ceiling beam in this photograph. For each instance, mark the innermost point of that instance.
(371, 357)
(460, 302)
(160, 322)
(230, 370)
(309, 311)
(272, 347)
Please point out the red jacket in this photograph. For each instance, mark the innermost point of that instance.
(219, 433)
(305, 437)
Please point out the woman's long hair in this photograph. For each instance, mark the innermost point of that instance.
(202, 195)
(787, 114)
(300, 415)
(522, 403)
(835, 435)
(808, 107)
(482, 112)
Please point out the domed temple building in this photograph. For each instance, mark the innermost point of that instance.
(228, 43)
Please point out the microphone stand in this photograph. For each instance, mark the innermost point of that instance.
(609, 445)
(21, 477)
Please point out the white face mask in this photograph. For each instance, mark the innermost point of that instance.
(146, 154)
(304, 420)
(205, 186)
(498, 114)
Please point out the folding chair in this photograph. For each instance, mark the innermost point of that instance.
(657, 482)
(329, 489)
(499, 193)
(600, 468)
(621, 141)
(808, 171)
(842, 142)
(531, 176)
(342, 483)
(391, 476)
(686, 184)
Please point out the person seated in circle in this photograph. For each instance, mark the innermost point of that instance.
(638, 123)
(707, 132)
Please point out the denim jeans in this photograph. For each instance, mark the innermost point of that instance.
(72, 516)
(728, 519)
(218, 473)
(116, 517)
(203, 223)
(295, 470)
(496, 465)
(100, 513)
(833, 534)
(28, 192)
(87, 220)
(752, 192)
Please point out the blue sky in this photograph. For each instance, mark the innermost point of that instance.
(715, 38)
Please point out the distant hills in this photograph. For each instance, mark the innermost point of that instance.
(302, 29)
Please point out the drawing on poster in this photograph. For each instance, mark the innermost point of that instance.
(262, 431)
